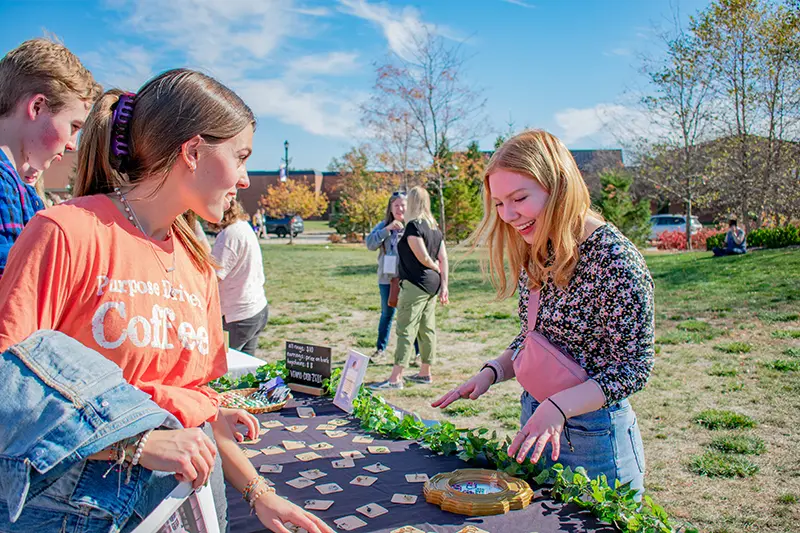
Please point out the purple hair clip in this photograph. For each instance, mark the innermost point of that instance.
(123, 112)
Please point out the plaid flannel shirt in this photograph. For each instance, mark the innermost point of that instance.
(18, 203)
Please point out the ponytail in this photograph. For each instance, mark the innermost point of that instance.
(95, 173)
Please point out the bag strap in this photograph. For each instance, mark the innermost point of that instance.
(533, 308)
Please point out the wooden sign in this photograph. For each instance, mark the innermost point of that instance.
(308, 367)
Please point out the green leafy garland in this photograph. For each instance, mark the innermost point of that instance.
(614, 505)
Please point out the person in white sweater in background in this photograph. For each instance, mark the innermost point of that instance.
(241, 279)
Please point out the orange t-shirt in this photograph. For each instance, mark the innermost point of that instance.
(83, 269)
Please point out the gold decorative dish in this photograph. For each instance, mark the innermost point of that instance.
(477, 492)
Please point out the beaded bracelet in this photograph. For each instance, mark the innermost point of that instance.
(256, 488)
(137, 454)
(254, 498)
(140, 447)
(251, 485)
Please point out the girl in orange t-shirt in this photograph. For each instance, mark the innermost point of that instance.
(121, 270)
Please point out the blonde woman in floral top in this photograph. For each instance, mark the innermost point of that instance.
(595, 304)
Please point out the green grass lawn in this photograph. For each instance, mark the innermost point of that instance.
(728, 343)
(317, 226)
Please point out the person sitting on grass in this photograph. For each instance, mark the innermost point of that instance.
(735, 241)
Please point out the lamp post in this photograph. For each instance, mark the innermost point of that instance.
(286, 156)
(286, 177)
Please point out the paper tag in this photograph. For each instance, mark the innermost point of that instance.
(471, 529)
(296, 429)
(326, 427)
(363, 481)
(313, 474)
(308, 456)
(339, 422)
(407, 529)
(377, 468)
(328, 488)
(371, 510)
(352, 454)
(335, 434)
(390, 265)
(404, 499)
(306, 412)
(349, 522)
(272, 450)
(272, 424)
(271, 469)
(321, 446)
(363, 439)
(293, 444)
(416, 478)
(318, 505)
(343, 463)
(300, 482)
(378, 449)
(293, 528)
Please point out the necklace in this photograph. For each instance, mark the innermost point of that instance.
(135, 221)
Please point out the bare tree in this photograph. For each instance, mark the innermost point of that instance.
(427, 93)
(680, 104)
(752, 49)
(395, 145)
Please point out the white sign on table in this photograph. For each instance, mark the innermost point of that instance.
(350, 383)
(184, 510)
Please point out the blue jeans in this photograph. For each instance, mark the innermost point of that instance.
(606, 441)
(387, 316)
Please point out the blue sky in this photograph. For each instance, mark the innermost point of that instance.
(569, 66)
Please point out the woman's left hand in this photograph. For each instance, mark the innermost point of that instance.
(444, 296)
(240, 416)
(273, 511)
(545, 425)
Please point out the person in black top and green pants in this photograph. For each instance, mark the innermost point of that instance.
(422, 280)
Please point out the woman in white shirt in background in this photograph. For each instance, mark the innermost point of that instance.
(241, 279)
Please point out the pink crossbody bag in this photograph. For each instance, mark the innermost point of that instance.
(541, 368)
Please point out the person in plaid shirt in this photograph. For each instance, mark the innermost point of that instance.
(45, 96)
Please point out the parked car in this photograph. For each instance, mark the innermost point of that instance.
(661, 223)
(280, 226)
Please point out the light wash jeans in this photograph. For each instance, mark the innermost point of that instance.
(606, 441)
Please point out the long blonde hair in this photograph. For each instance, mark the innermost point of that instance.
(418, 207)
(233, 214)
(554, 252)
(170, 109)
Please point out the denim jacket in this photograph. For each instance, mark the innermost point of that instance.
(63, 402)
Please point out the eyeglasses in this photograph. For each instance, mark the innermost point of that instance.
(398, 194)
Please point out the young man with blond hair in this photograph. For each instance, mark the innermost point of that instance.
(45, 96)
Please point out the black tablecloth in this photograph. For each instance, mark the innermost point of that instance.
(542, 515)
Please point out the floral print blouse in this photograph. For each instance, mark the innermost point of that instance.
(604, 318)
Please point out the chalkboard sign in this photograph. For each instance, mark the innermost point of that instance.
(308, 367)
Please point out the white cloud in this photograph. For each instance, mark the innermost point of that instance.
(312, 11)
(401, 27)
(520, 3)
(334, 63)
(319, 113)
(234, 40)
(621, 51)
(607, 124)
(231, 35)
(127, 67)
